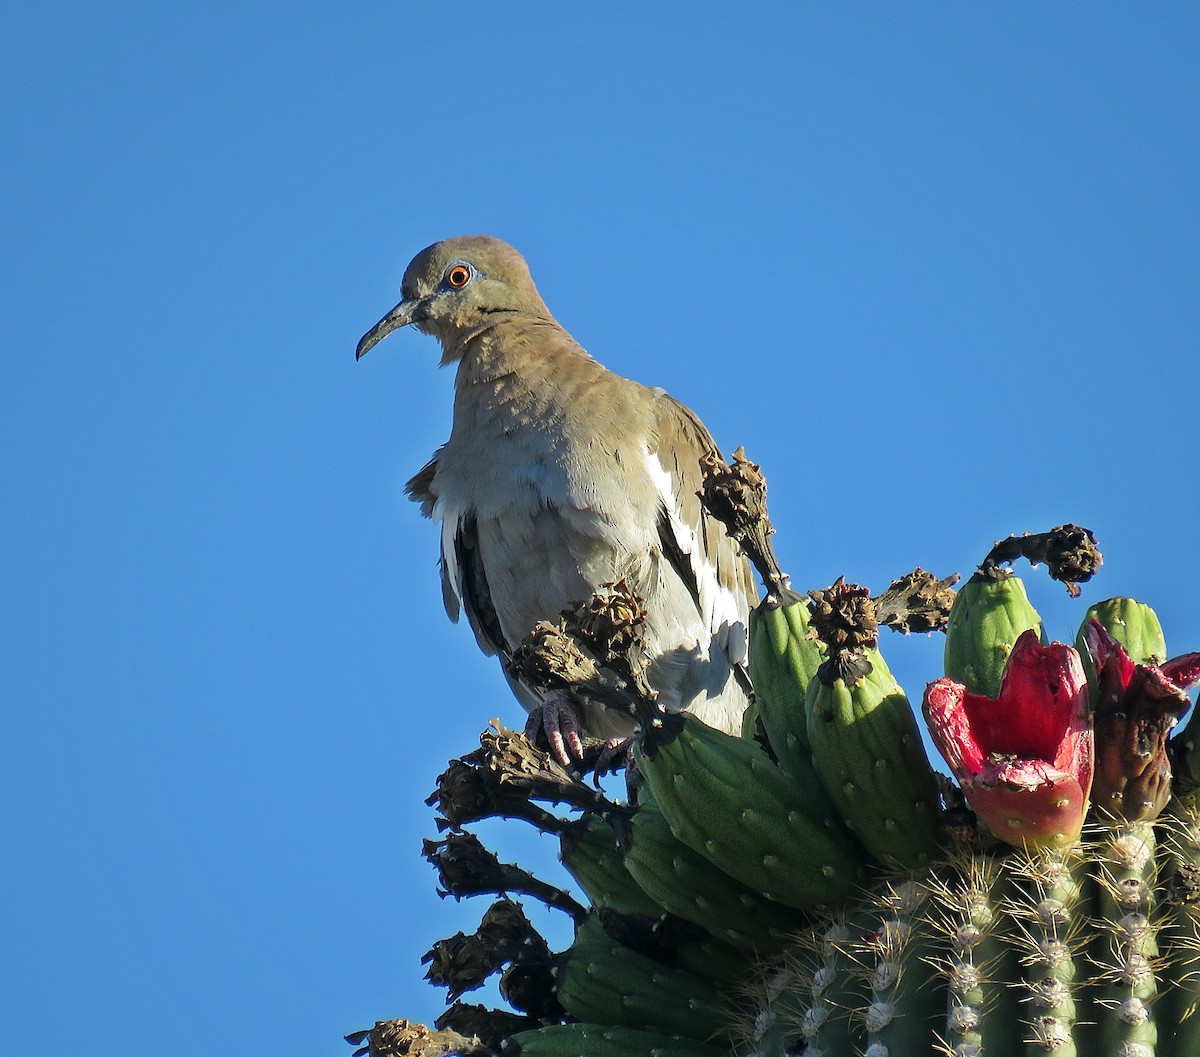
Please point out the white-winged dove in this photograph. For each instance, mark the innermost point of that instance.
(560, 476)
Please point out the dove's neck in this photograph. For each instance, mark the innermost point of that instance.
(521, 370)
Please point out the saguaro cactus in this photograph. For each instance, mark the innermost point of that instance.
(813, 886)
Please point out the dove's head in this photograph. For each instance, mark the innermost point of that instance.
(457, 288)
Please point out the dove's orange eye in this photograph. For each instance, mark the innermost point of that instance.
(458, 275)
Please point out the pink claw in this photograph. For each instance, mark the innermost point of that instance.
(616, 754)
(559, 717)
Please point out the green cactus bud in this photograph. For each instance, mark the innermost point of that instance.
(726, 798)
(784, 656)
(866, 746)
(989, 615)
(688, 885)
(590, 852)
(1133, 624)
(603, 981)
(603, 1040)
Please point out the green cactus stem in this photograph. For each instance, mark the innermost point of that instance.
(977, 964)
(605, 982)
(1126, 942)
(804, 1003)
(589, 849)
(1179, 857)
(901, 1014)
(991, 612)
(1048, 924)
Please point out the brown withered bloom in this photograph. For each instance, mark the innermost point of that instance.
(403, 1038)
(505, 923)
(1072, 555)
(1136, 708)
(466, 868)
(516, 765)
(1069, 553)
(736, 495)
(550, 657)
(487, 1027)
(918, 601)
(461, 963)
(468, 791)
(612, 625)
(505, 935)
(528, 986)
(843, 617)
(613, 620)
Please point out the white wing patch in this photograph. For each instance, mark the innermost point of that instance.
(725, 612)
(451, 574)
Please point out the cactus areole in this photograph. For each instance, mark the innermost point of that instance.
(1025, 759)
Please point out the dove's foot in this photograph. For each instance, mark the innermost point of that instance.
(559, 717)
(616, 754)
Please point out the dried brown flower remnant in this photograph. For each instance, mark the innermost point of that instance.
(550, 657)
(461, 963)
(918, 601)
(1137, 707)
(516, 765)
(528, 986)
(403, 1038)
(843, 617)
(1072, 556)
(1069, 552)
(491, 1026)
(466, 868)
(504, 922)
(613, 620)
(612, 626)
(473, 788)
(736, 495)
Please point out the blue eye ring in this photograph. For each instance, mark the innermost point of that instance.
(459, 274)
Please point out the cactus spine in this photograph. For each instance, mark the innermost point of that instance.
(1046, 914)
(1127, 941)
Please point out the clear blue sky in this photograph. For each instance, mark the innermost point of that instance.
(935, 265)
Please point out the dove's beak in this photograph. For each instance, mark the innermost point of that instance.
(404, 313)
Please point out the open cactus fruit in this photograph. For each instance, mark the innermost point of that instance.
(817, 885)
